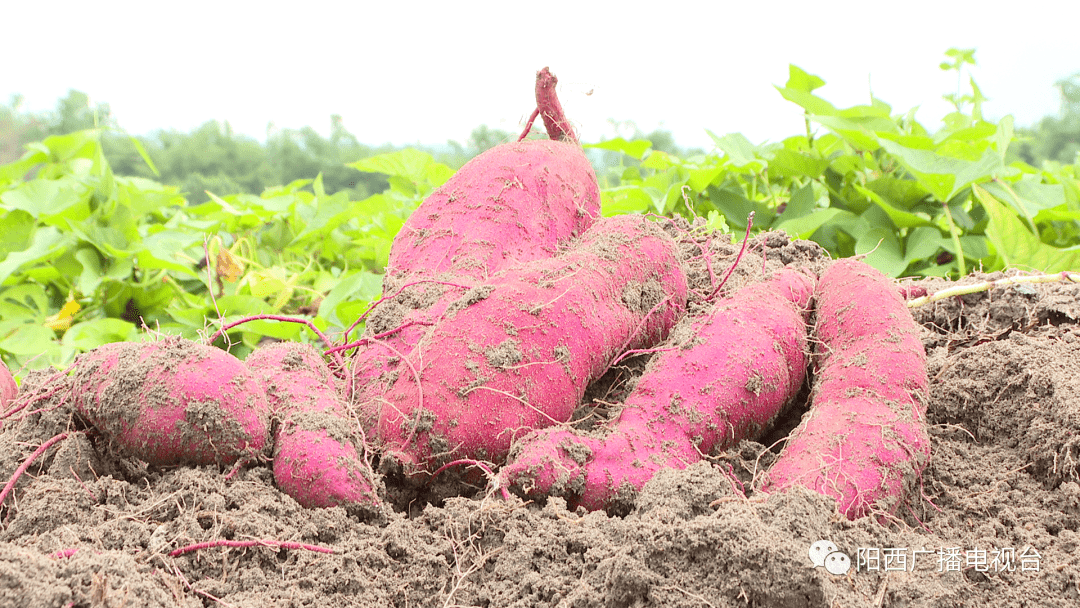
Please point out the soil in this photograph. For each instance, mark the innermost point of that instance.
(994, 519)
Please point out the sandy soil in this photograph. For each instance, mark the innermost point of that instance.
(994, 521)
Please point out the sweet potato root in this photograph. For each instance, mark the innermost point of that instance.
(8, 389)
(724, 379)
(518, 352)
(172, 402)
(317, 447)
(864, 440)
(514, 203)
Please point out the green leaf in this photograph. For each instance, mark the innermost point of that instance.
(799, 80)
(16, 227)
(90, 276)
(241, 305)
(46, 241)
(623, 200)
(269, 282)
(291, 332)
(978, 132)
(26, 339)
(661, 161)
(921, 243)
(634, 149)
(360, 286)
(901, 193)
(88, 335)
(808, 101)
(25, 302)
(805, 226)
(739, 150)
(45, 197)
(409, 164)
(1034, 196)
(801, 203)
(900, 218)
(331, 212)
(945, 176)
(146, 157)
(858, 135)
(144, 196)
(882, 251)
(734, 205)
(1057, 214)
(162, 250)
(700, 179)
(1017, 246)
(788, 163)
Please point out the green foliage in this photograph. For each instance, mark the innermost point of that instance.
(865, 180)
(214, 158)
(88, 256)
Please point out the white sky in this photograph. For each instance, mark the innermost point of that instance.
(426, 72)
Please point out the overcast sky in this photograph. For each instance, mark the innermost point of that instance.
(427, 72)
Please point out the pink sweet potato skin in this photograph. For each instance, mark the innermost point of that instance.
(514, 203)
(734, 370)
(8, 389)
(864, 440)
(316, 456)
(173, 402)
(518, 352)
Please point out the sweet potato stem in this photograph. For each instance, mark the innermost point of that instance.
(396, 293)
(26, 464)
(746, 239)
(25, 400)
(529, 124)
(274, 544)
(326, 339)
(367, 339)
(550, 110)
(961, 290)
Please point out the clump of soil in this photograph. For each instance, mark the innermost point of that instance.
(994, 521)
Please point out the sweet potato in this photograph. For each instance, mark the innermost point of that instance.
(172, 402)
(864, 440)
(722, 378)
(518, 352)
(514, 203)
(317, 450)
(8, 389)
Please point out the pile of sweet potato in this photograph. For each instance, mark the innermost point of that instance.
(506, 296)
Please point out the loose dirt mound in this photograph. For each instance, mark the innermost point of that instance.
(996, 522)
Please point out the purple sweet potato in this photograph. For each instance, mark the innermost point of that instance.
(723, 380)
(317, 448)
(518, 352)
(864, 440)
(514, 203)
(8, 389)
(173, 402)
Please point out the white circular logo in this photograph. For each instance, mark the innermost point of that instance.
(819, 550)
(837, 563)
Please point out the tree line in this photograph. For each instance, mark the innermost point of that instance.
(213, 157)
